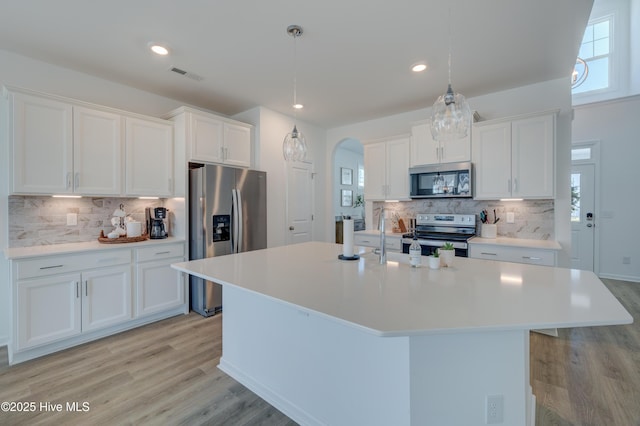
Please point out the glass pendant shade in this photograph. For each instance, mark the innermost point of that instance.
(450, 117)
(294, 146)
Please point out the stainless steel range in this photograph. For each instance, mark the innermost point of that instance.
(433, 230)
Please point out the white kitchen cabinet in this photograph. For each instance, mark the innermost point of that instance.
(158, 286)
(212, 139)
(426, 150)
(106, 297)
(530, 256)
(58, 297)
(47, 310)
(386, 170)
(515, 158)
(63, 146)
(149, 157)
(97, 152)
(41, 134)
(372, 239)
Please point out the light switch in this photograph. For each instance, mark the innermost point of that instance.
(72, 219)
(511, 217)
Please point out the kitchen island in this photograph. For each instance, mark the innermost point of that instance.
(355, 342)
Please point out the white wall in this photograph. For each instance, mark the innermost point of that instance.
(545, 96)
(615, 124)
(270, 130)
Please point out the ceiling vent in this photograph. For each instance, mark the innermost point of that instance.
(187, 74)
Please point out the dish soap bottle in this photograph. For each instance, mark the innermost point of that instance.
(415, 253)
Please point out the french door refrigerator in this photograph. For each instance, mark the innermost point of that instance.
(228, 214)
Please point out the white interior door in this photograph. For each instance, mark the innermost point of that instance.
(299, 203)
(583, 222)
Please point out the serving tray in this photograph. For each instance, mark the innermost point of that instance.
(106, 240)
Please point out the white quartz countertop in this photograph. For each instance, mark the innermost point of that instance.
(517, 242)
(52, 249)
(397, 300)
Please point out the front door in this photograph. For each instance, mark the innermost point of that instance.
(582, 216)
(299, 203)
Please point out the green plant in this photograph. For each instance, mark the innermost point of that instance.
(436, 254)
(447, 246)
(359, 201)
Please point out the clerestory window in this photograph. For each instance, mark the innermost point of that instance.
(595, 51)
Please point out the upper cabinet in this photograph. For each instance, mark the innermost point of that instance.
(212, 139)
(97, 152)
(149, 158)
(386, 170)
(62, 146)
(515, 158)
(42, 149)
(426, 150)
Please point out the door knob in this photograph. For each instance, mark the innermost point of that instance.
(589, 225)
(291, 228)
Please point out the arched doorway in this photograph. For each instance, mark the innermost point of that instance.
(348, 184)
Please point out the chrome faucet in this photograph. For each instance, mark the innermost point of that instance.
(383, 251)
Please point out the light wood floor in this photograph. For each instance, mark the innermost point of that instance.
(165, 373)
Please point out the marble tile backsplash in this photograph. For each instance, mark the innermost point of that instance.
(534, 219)
(35, 221)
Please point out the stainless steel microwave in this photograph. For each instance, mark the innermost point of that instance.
(449, 180)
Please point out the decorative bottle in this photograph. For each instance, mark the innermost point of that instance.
(415, 253)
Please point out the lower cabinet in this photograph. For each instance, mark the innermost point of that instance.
(61, 306)
(391, 243)
(47, 309)
(513, 254)
(63, 300)
(158, 287)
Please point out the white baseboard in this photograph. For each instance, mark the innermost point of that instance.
(621, 277)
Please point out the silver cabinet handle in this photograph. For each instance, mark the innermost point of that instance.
(531, 258)
(489, 254)
(68, 180)
(76, 180)
(162, 252)
(86, 288)
(51, 267)
(77, 289)
(291, 228)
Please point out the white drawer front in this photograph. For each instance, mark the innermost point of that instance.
(161, 251)
(366, 240)
(513, 254)
(59, 264)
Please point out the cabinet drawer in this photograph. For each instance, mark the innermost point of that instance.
(366, 240)
(513, 254)
(50, 265)
(161, 251)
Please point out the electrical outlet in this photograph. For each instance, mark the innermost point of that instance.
(495, 409)
(511, 217)
(72, 219)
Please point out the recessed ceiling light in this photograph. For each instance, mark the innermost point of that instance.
(419, 67)
(159, 49)
(298, 106)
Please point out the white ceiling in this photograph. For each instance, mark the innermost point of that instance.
(354, 57)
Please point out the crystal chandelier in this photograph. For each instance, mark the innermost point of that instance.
(450, 114)
(294, 146)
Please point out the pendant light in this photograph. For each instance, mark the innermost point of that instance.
(450, 114)
(294, 146)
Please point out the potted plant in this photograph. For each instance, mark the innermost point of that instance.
(434, 260)
(447, 253)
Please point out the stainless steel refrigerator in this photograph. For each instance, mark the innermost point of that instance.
(228, 214)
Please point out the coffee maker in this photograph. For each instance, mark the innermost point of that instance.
(157, 222)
